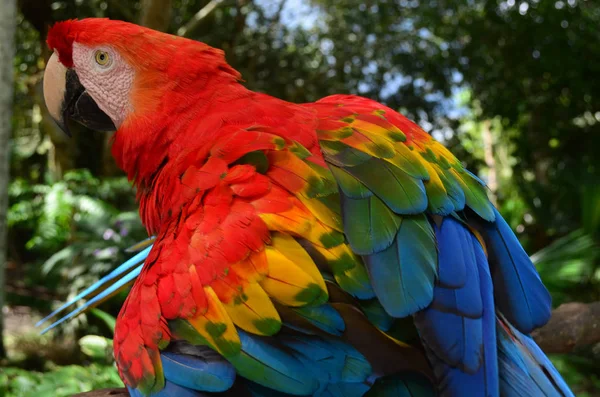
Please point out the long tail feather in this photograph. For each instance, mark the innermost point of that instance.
(524, 368)
(130, 263)
(113, 288)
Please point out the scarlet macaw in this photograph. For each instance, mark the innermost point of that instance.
(297, 245)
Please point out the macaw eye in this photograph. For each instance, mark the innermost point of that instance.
(102, 58)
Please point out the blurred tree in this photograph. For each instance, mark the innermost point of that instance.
(533, 64)
(7, 50)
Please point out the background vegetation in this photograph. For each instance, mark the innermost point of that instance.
(510, 86)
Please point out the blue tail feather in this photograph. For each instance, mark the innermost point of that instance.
(131, 262)
(519, 291)
(461, 349)
(524, 368)
(121, 282)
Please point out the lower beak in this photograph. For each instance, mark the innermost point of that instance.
(66, 98)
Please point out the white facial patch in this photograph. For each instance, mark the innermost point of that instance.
(107, 77)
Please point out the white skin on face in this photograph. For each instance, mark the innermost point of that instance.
(107, 77)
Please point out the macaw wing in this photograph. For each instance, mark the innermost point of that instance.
(419, 220)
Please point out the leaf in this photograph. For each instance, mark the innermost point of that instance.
(109, 320)
(96, 347)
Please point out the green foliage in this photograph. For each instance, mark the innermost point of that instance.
(75, 229)
(58, 382)
(569, 266)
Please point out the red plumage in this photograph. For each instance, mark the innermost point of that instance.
(191, 121)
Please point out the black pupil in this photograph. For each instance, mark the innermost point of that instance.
(102, 56)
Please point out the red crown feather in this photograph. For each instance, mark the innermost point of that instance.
(60, 38)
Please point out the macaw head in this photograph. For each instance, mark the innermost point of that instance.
(105, 73)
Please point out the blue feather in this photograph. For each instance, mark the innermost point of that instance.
(133, 261)
(129, 277)
(490, 350)
(324, 317)
(377, 314)
(461, 349)
(212, 374)
(466, 300)
(403, 274)
(519, 291)
(452, 272)
(268, 364)
(337, 360)
(524, 368)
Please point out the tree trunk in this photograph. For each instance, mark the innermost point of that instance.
(8, 17)
(490, 160)
(156, 14)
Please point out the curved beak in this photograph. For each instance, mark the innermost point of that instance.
(66, 98)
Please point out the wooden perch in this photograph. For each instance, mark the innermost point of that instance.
(573, 325)
(104, 393)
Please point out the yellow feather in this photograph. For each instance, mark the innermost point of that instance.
(256, 313)
(288, 283)
(216, 327)
(291, 249)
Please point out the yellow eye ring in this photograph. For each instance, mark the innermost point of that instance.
(102, 58)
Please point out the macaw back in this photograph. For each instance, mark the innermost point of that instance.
(330, 248)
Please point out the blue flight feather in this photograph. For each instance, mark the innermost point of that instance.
(403, 274)
(127, 278)
(490, 351)
(212, 375)
(452, 272)
(524, 368)
(131, 262)
(462, 350)
(265, 362)
(466, 300)
(519, 291)
(333, 358)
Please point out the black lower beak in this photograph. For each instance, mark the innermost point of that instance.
(78, 105)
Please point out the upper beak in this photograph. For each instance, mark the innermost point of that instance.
(66, 98)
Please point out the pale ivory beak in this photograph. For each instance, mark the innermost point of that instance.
(66, 98)
(55, 84)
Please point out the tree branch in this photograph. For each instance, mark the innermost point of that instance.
(104, 393)
(572, 326)
(193, 23)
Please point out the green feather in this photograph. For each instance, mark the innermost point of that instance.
(349, 185)
(257, 158)
(476, 196)
(401, 192)
(403, 275)
(409, 162)
(369, 224)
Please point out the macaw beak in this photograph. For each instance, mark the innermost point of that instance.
(66, 98)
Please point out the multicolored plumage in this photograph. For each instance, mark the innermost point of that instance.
(330, 248)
